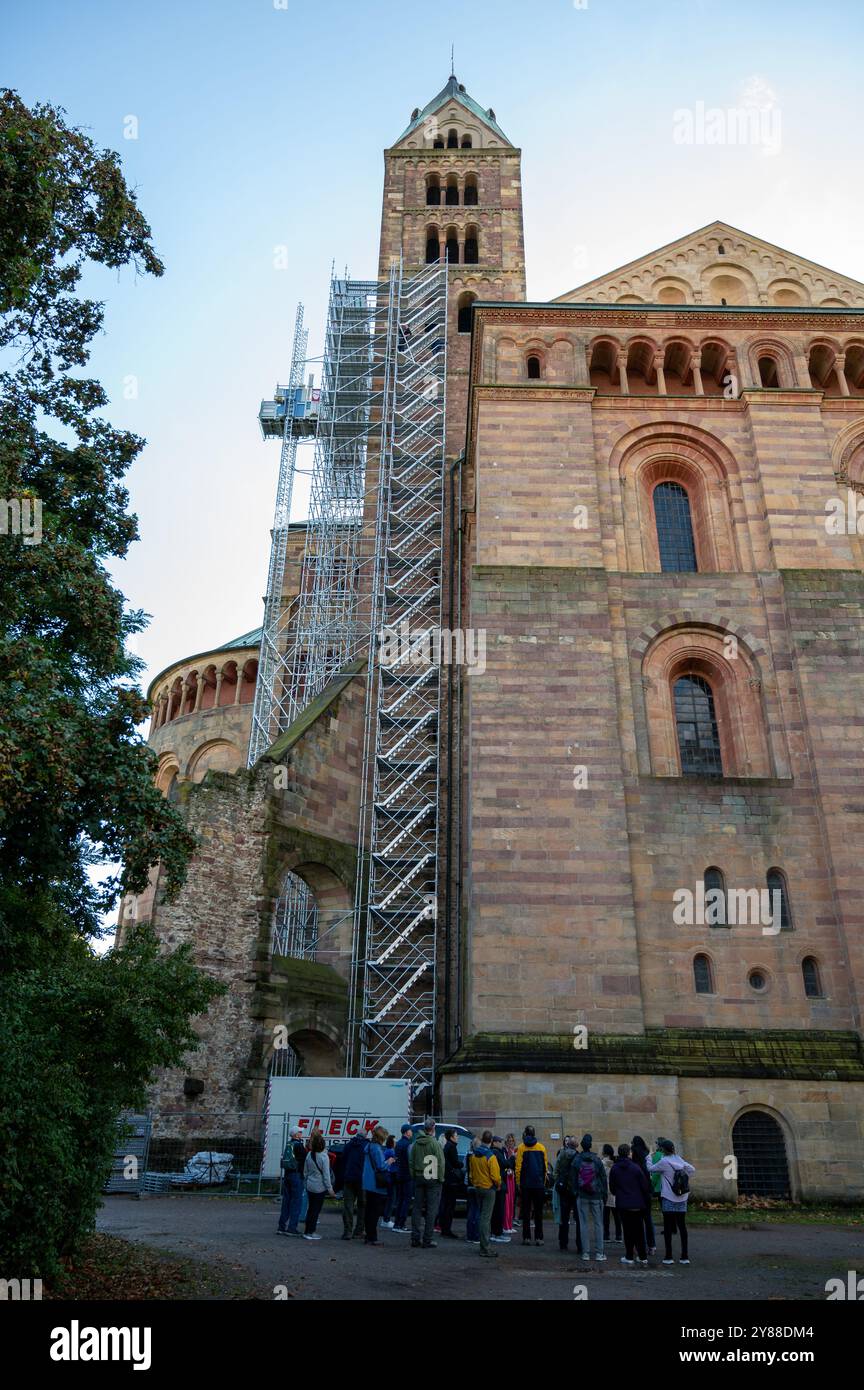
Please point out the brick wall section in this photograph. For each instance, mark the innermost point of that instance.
(552, 940)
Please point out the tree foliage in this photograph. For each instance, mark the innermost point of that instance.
(81, 1033)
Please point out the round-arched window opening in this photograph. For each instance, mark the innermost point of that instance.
(812, 979)
(757, 979)
(172, 791)
(674, 522)
(464, 313)
(760, 1151)
(295, 920)
(697, 728)
(768, 375)
(703, 975)
(534, 369)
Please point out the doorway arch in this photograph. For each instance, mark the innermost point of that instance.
(759, 1146)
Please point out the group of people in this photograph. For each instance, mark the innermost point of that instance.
(382, 1178)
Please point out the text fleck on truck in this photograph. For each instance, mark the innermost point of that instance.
(340, 1106)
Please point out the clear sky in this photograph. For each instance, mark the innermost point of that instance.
(261, 125)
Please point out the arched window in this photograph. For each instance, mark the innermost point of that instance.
(768, 375)
(451, 250)
(438, 143)
(433, 249)
(452, 193)
(696, 726)
(715, 898)
(674, 527)
(812, 982)
(703, 975)
(760, 1149)
(472, 248)
(775, 881)
(534, 369)
(433, 191)
(452, 140)
(471, 191)
(466, 142)
(721, 250)
(464, 312)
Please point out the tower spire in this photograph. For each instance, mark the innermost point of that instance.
(452, 64)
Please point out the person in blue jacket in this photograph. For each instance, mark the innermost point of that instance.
(402, 1175)
(376, 1179)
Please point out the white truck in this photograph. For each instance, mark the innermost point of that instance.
(340, 1106)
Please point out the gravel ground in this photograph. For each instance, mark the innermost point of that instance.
(761, 1263)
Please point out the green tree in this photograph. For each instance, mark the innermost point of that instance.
(81, 1033)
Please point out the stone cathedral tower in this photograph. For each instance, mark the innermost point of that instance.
(453, 191)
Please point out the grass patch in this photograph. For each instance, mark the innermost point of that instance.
(751, 1212)
(108, 1267)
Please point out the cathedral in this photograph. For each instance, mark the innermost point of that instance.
(648, 912)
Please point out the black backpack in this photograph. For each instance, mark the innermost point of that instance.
(680, 1183)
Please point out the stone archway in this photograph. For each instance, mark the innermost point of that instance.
(759, 1146)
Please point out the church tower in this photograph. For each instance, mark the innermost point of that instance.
(453, 191)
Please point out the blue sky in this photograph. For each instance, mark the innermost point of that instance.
(262, 125)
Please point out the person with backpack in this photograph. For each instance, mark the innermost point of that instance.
(566, 1196)
(508, 1167)
(674, 1173)
(639, 1153)
(292, 1163)
(531, 1166)
(588, 1181)
(319, 1183)
(484, 1175)
(353, 1196)
(631, 1189)
(426, 1171)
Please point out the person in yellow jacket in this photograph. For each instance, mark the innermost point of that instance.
(531, 1168)
(484, 1176)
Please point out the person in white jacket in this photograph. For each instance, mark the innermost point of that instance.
(316, 1176)
(673, 1200)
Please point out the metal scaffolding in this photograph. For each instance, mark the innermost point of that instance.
(277, 419)
(371, 580)
(394, 925)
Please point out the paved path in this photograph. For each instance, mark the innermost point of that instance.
(761, 1263)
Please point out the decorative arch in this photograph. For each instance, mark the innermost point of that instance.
(735, 679)
(603, 363)
(776, 351)
(217, 754)
(168, 768)
(641, 368)
(704, 466)
(728, 282)
(847, 456)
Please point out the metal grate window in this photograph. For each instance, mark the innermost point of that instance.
(776, 882)
(702, 975)
(696, 724)
(760, 1149)
(674, 527)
